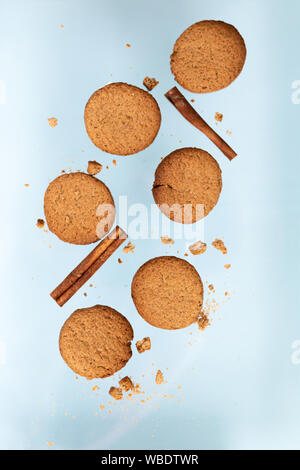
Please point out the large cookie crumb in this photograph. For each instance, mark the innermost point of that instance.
(40, 223)
(116, 393)
(126, 384)
(150, 83)
(198, 248)
(167, 241)
(143, 345)
(52, 122)
(203, 323)
(129, 248)
(219, 245)
(94, 167)
(219, 117)
(159, 379)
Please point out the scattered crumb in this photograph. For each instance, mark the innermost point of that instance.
(85, 294)
(150, 83)
(227, 266)
(95, 388)
(114, 162)
(116, 393)
(126, 384)
(198, 248)
(143, 345)
(128, 45)
(219, 245)
(219, 117)
(62, 26)
(159, 379)
(107, 167)
(52, 122)
(167, 241)
(211, 287)
(185, 254)
(192, 100)
(228, 132)
(94, 167)
(101, 407)
(26, 185)
(203, 322)
(40, 223)
(49, 443)
(129, 248)
(120, 261)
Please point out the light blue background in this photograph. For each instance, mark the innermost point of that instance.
(240, 388)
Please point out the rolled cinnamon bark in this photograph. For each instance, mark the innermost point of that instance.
(187, 111)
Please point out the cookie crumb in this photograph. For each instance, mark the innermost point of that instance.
(211, 287)
(219, 245)
(120, 261)
(114, 162)
(126, 384)
(227, 266)
(26, 185)
(128, 45)
(116, 393)
(129, 248)
(94, 167)
(192, 100)
(150, 83)
(52, 122)
(143, 345)
(159, 379)
(62, 26)
(167, 241)
(203, 322)
(40, 223)
(49, 443)
(198, 248)
(219, 117)
(95, 388)
(228, 132)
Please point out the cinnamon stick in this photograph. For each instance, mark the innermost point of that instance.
(187, 111)
(85, 270)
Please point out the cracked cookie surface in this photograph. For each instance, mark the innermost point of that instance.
(168, 292)
(187, 185)
(95, 342)
(79, 208)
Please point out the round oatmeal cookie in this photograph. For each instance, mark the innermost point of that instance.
(95, 342)
(122, 119)
(79, 208)
(187, 185)
(208, 56)
(168, 292)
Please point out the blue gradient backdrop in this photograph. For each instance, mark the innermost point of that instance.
(239, 385)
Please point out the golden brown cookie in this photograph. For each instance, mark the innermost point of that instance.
(79, 208)
(208, 56)
(122, 119)
(96, 341)
(187, 185)
(168, 292)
